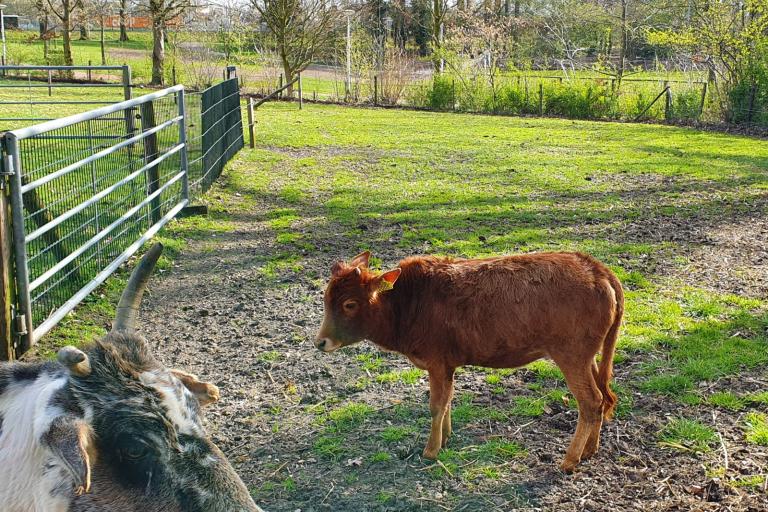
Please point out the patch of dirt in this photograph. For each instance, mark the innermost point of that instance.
(220, 315)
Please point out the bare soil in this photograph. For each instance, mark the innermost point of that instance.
(218, 315)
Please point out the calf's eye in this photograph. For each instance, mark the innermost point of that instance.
(350, 306)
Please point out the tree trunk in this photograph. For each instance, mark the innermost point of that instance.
(158, 52)
(85, 32)
(437, 20)
(123, 22)
(44, 35)
(287, 73)
(66, 28)
(623, 47)
(103, 50)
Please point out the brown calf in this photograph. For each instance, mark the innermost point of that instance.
(502, 312)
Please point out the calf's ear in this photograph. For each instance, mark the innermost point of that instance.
(361, 260)
(69, 439)
(205, 392)
(386, 281)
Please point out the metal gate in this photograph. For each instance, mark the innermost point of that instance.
(86, 191)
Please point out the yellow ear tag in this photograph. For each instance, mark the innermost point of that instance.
(385, 286)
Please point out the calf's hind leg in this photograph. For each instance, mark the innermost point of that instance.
(582, 384)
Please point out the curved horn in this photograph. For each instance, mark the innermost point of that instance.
(76, 360)
(130, 300)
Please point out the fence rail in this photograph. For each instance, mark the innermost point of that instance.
(37, 84)
(81, 194)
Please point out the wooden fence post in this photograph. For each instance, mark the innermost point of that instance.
(375, 90)
(6, 288)
(280, 86)
(90, 76)
(250, 123)
(453, 93)
(301, 95)
(150, 153)
(667, 101)
(541, 98)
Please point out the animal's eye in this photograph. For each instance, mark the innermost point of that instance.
(350, 306)
(136, 451)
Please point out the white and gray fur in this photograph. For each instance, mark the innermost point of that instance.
(111, 429)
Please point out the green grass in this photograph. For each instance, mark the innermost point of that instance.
(727, 400)
(688, 435)
(757, 428)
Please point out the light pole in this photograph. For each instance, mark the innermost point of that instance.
(349, 13)
(2, 34)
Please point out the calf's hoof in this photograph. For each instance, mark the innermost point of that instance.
(567, 466)
(430, 453)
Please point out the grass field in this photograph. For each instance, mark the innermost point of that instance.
(678, 214)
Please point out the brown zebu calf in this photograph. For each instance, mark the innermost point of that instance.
(501, 312)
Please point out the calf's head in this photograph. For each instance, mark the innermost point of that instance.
(350, 302)
(141, 440)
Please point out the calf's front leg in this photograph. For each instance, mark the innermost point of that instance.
(440, 394)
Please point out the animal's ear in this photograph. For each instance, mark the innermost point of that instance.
(69, 439)
(205, 392)
(337, 268)
(361, 260)
(386, 281)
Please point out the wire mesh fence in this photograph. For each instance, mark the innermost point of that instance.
(577, 96)
(215, 132)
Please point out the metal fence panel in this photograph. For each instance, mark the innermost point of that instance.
(217, 136)
(29, 93)
(87, 191)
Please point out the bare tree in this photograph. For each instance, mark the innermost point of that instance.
(161, 12)
(303, 30)
(98, 10)
(64, 10)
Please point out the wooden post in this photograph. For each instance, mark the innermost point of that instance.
(280, 86)
(6, 288)
(703, 98)
(453, 93)
(375, 90)
(173, 75)
(250, 123)
(667, 101)
(301, 96)
(150, 153)
(90, 76)
(541, 98)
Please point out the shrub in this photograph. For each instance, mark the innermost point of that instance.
(441, 96)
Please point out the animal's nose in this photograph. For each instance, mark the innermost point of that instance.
(320, 344)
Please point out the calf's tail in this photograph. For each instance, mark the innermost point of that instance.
(605, 369)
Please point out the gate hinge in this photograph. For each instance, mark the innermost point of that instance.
(8, 169)
(21, 325)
